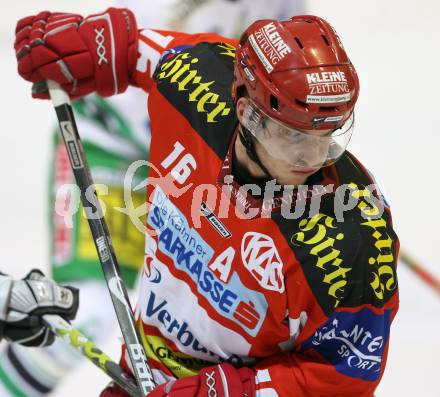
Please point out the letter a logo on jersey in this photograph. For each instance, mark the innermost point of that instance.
(261, 258)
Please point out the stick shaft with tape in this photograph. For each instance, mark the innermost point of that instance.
(89, 350)
(101, 237)
(429, 278)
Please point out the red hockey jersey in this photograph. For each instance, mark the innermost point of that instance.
(283, 283)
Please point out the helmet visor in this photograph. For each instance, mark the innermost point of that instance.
(303, 150)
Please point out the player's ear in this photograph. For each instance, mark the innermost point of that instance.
(241, 105)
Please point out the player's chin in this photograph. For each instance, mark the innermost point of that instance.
(291, 179)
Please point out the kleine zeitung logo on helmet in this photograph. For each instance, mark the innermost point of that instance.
(326, 77)
(333, 83)
(269, 46)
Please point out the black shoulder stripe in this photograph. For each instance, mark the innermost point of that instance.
(327, 251)
(347, 262)
(197, 82)
(350, 170)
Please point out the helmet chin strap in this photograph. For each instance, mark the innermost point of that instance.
(248, 142)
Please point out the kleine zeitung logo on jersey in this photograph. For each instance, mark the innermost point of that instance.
(261, 258)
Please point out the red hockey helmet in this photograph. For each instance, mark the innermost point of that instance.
(297, 72)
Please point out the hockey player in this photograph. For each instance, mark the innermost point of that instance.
(115, 133)
(240, 295)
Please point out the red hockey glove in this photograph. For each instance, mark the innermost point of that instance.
(219, 380)
(97, 53)
(113, 390)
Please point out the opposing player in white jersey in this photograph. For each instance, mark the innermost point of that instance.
(115, 133)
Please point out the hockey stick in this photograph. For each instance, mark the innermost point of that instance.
(420, 271)
(88, 349)
(101, 236)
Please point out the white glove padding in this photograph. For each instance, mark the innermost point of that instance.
(24, 302)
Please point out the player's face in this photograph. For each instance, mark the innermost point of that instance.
(290, 155)
(301, 153)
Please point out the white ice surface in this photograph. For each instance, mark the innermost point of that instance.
(395, 46)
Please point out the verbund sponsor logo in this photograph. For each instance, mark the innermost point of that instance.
(177, 328)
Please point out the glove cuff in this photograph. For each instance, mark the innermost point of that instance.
(112, 40)
(225, 380)
(126, 61)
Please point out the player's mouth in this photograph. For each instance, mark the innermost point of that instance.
(304, 172)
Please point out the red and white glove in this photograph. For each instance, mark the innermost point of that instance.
(83, 55)
(219, 380)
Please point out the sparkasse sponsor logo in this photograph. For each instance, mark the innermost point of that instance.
(191, 254)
